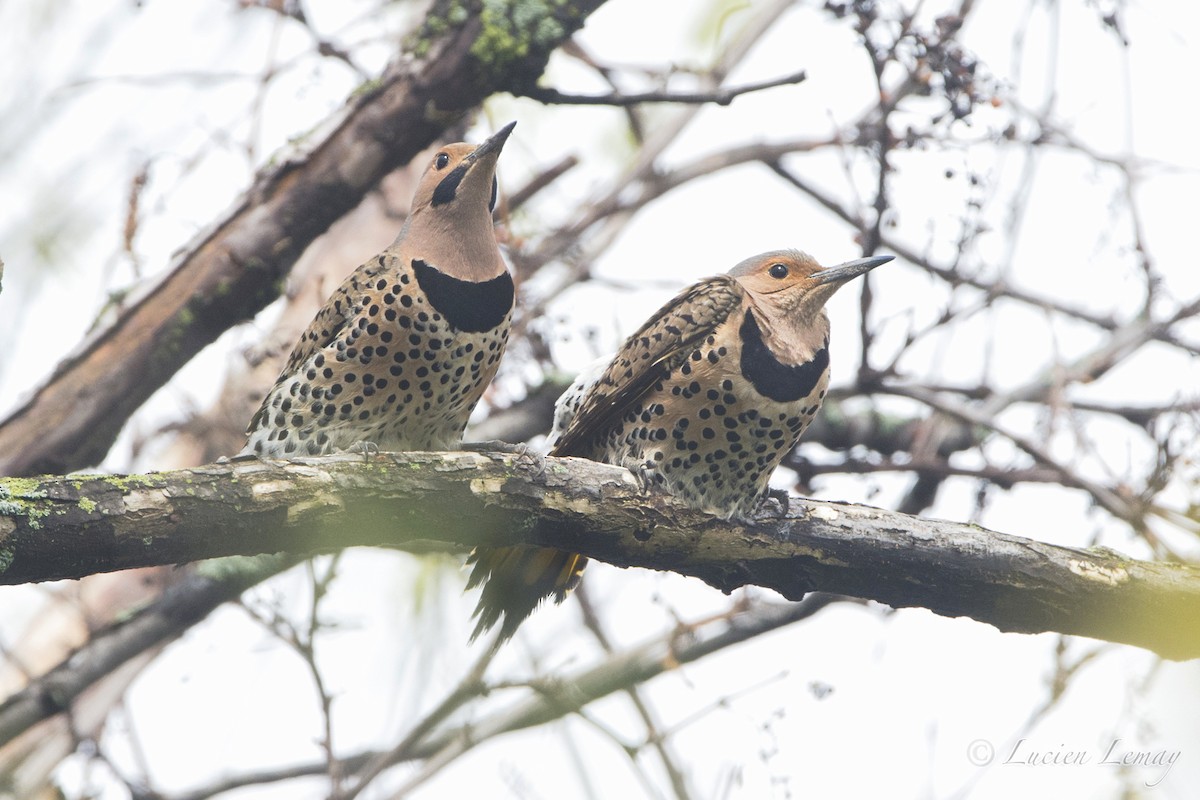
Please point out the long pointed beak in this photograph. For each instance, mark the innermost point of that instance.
(850, 270)
(494, 143)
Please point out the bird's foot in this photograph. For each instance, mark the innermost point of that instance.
(647, 478)
(367, 449)
(775, 504)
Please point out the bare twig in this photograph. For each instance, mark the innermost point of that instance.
(180, 607)
(470, 687)
(572, 692)
(654, 736)
(615, 672)
(721, 96)
(304, 644)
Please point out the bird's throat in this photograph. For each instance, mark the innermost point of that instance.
(783, 382)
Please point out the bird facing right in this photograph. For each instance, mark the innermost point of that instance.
(704, 401)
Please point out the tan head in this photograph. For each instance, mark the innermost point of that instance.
(450, 223)
(462, 177)
(790, 283)
(788, 290)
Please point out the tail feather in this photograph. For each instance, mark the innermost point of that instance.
(516, 580)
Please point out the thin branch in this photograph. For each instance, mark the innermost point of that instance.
(1002, 477)
(541, 181)
(721, 96)
(304, 644)
(469, 688)
(276, 775)
(1107, 498)
(180, 607)
(569, 693)
(616, 672)
(654, 736)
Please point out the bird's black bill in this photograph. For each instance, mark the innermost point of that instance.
(494, 143)
(850, 270)
(447, 189)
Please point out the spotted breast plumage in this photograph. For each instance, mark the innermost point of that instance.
(703, 401)
(402, 351)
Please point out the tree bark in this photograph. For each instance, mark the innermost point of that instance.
(67, 527)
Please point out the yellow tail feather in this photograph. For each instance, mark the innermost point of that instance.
(516, 580)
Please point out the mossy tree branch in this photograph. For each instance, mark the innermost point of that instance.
(66, 527)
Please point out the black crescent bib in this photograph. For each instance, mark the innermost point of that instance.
(784, 383)
(468, 306)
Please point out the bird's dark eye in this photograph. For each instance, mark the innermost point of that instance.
(779, 271)
(441, 161)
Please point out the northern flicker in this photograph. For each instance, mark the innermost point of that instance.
(402, 351)
(703, 401)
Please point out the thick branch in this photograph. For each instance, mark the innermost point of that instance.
(232, 270)
(69, 527)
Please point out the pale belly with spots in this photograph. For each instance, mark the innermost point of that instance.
(710, 438)
(401, 378)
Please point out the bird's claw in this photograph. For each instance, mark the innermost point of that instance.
(775, 504)
(643, 475)
(367, 449)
